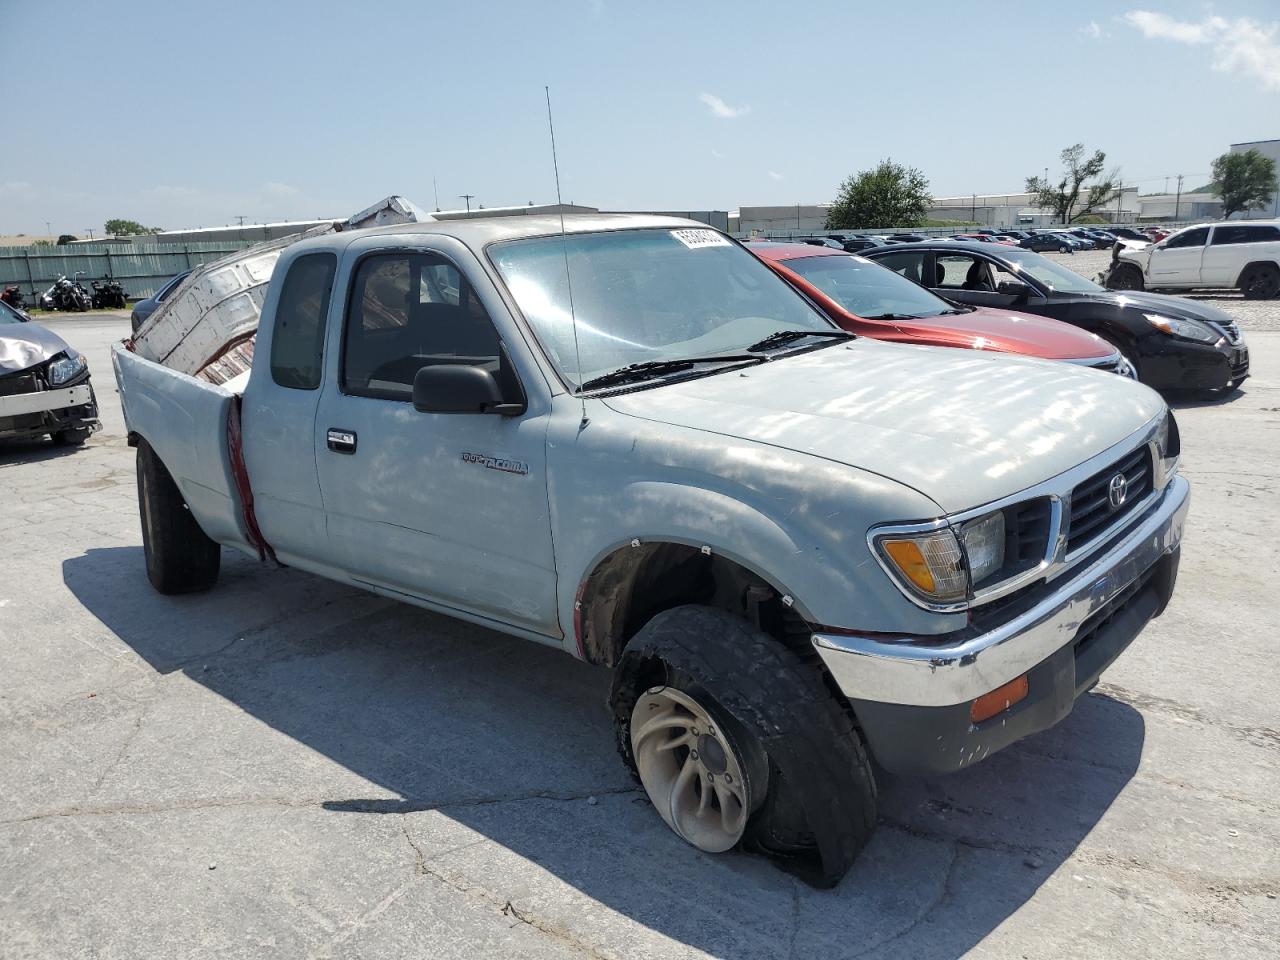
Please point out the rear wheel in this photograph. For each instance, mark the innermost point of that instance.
(1261, 282)
(180, 557)
(738, 742)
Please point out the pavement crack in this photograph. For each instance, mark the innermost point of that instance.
(420, 862)
(120, 754)
(944, 894)
(1255, 735)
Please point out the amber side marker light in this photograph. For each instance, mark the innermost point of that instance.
(999, 700)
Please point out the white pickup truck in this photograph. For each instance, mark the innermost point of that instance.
(1244, 255)
(626, 438)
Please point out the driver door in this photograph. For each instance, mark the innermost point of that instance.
(1176, 261)
(449, 508)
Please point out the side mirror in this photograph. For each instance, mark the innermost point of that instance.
(1014, 288)
(457, 388)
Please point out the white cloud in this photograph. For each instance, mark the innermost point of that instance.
(722, 109)
(717, 154)
(1239, 46)
(1093, 31)
(775, 175)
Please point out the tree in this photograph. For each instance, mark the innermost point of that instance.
(1064, 197)
(1244, 181)
(126, 228)
(66, 238)
(891, 195)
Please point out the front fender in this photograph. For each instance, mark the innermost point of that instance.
(796, 521)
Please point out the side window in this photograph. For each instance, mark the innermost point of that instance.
(962, 271)
(297, 341)
(1244, 234)
(909, 263)
(408, 311)
(1192, 238)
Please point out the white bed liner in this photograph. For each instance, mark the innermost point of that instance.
(206, 328)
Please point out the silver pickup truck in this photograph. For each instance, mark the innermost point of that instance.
(624, 437)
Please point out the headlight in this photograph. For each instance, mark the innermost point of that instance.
(941, 566)
(1187, 329)
(930, 564)
(1168, 449)
(64, 369)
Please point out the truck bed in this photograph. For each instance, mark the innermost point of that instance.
(185, 420)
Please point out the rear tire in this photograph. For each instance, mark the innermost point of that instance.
(180, 557)
(810, 796)
(1261, 282)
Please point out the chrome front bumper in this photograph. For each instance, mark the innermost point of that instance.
(923, 672)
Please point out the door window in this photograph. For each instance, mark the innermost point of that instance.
(408, 311)
(962, 271)
(1244, 234)
(1191, 238)
(297, 340)
(909, 263)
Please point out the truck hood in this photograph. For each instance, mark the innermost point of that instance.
(962, 427)
(1006, 331)
(23, 345)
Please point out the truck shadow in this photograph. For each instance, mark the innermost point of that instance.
(34, 451)
(507, 740)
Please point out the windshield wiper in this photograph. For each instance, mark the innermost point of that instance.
(893, 316)
(787, 336)
(635, 372)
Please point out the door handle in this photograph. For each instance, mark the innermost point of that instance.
(341, 441)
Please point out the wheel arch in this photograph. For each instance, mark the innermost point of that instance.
(1273, 264)
(630, 582)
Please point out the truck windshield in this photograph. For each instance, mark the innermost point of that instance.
(867, 289)
(646, 295)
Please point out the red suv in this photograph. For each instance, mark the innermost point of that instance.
(868, 299)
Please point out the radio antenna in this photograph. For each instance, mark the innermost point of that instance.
(564, 247)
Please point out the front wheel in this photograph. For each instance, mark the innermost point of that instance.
(1261, 282)
(738, 742)
(1125, 277)
(180, 556)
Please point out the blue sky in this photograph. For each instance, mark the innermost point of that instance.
(188, 114)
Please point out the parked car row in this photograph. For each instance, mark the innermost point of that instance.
(1041, 239)
(665, 453)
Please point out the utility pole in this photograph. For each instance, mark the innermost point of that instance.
(48, 230)
(240, 217)
(1119, 195)
(89, 230)
(973, 208)
(467, 197)
(435, 192)
(1177, 203)
(797, 216)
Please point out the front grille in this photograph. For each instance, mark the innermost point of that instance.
(1026, 535)
(1091, 511)
(1090, 629)
(25, 382)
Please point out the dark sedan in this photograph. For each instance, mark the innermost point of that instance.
(1175, 343)
(145, 308)
(1040, 242)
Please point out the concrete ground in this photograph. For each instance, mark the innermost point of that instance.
(283, 767)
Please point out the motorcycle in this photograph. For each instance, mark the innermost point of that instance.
(66, 295)
(108, 294)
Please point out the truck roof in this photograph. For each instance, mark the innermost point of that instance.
(477, 232)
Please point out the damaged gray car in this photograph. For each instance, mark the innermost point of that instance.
(44, 384)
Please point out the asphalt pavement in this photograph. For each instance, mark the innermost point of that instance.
(283, 767)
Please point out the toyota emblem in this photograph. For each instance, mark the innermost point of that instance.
(1117, 490)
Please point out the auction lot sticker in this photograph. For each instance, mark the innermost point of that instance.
(697, 239)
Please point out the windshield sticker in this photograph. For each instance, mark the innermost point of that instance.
(697, 239)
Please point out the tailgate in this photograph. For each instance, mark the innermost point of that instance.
(185, 422)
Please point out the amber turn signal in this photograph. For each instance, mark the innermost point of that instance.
(999, 700)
